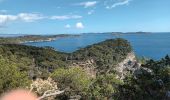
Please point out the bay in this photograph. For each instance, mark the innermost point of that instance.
(151, 45)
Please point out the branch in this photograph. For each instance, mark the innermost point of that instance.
(50, 93)
(31, 88)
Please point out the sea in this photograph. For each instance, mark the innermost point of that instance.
(149, 45)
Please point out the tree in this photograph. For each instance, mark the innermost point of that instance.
(11, 77)
(104, 87)
(75, 79)
(152, 82)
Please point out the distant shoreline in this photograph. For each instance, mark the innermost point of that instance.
(25, 38)
(48, 40)
(32, 38)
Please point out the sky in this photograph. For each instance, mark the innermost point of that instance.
(83, 16)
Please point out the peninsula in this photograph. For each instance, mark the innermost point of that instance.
(32, 38)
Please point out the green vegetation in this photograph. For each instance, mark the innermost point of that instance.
(151, 82)
(20, 63)
(142, 59)
(106, 54)
(11, 77)
(104, 87)
(41, 61)
(36, 61)
(31, 38)
(75, 79)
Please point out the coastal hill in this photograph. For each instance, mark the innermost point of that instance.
(32, 38)
(105, 70)
(105, 54)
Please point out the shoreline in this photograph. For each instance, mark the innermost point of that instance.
(35, 41)
(32, 39)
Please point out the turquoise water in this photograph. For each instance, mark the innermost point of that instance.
(152, 45)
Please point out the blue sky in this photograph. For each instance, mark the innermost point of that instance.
(81, 16)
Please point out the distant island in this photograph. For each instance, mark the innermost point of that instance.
(121, 33)
(32, 38)
(140, 32)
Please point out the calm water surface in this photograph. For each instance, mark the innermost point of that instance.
(153, 45)
(10, 35)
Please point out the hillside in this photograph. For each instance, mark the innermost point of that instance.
(105, 54)
(32, 38)
(106, 70)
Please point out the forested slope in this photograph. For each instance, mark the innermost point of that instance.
(23, 63)
(105, 54)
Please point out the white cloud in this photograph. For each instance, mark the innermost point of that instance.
(6, 18)
(90, 12)
(29, 17)
(79, 25)
(68, 26)
(87, 4)
(119, 3)
(26, 17)
(65, 17)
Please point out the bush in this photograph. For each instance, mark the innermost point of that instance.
(75, 79)
(11, 77)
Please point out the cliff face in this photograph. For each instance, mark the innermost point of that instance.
(128, 65)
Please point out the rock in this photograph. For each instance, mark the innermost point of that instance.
(167, 95)
(40, 86)
(88, 66)
(142, 70)
(129, 64)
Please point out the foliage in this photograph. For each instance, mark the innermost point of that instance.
(152, 83)
(75, 78)
(11, 77)
(104, 87)
(41, 61)
(32, 38)
(36, 61)
(106, 54)
(142, 59)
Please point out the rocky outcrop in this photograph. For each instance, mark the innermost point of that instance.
(46, 89)
(88, 66)
(128, 65)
